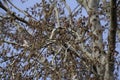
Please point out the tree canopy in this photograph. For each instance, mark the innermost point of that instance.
(51, 41)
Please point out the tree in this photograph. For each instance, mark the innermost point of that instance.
(43, 42)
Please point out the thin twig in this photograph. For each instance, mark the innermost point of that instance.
(58, 23)
(70, 12)
(25, 13)
(57, 17)
(13, 43)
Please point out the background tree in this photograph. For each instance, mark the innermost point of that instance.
(50, 41)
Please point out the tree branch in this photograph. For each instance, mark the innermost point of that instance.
(13, 14)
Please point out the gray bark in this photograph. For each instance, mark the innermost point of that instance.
(105, 67)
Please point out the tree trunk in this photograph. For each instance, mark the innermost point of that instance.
(111, 42)
(106, 67)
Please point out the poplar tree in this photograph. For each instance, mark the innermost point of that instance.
(51, 41)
